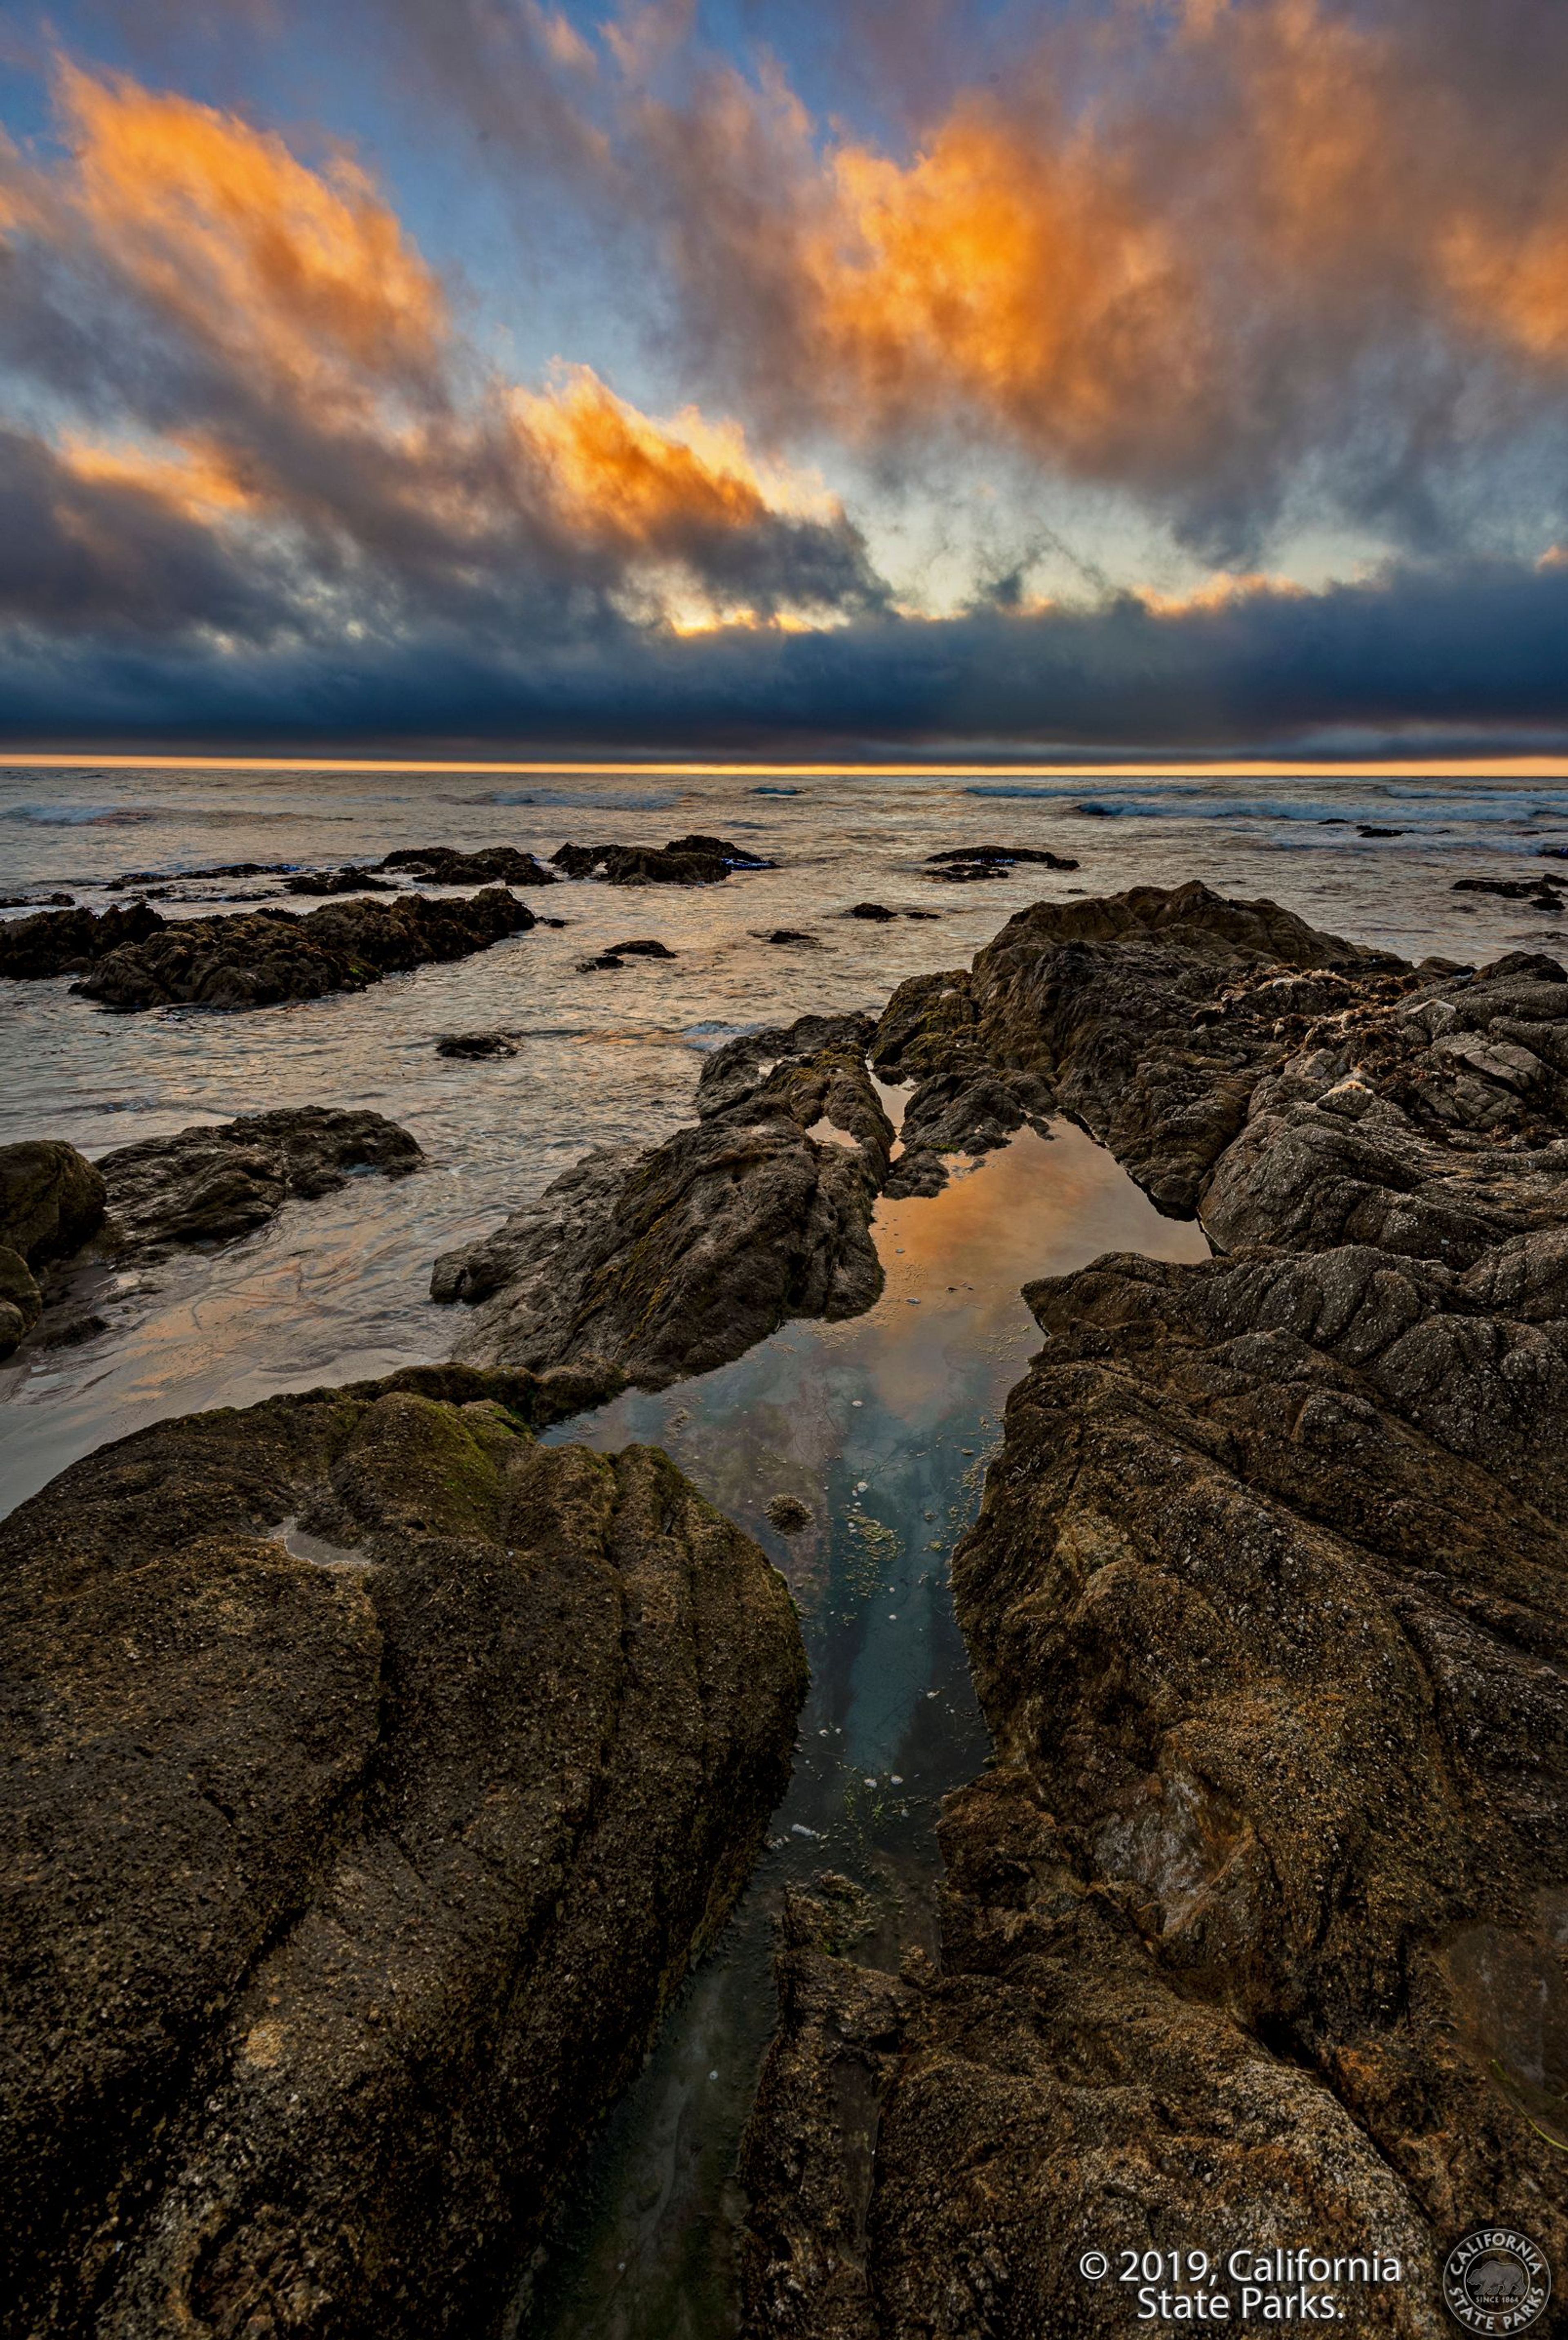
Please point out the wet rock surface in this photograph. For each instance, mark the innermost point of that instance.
(617, 954)
(963, 864)
(51, 1202)
(477, 1045)
(443, 865)
(268, 957)
(684, 861)
(1149, 1014)
(673, 1261)
(67, 942)
(373, 1774)
(337, 881)
(64, 1219)
(209, 1185)
(1253, 1931)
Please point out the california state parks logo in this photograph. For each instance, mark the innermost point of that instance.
(1496, 2281)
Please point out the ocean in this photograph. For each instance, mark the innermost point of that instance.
(882, 1426)
(337, 1288)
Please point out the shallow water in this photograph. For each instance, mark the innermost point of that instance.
(338, 1287)
(883, 1427)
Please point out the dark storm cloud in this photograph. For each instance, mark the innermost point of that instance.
(1478, 654)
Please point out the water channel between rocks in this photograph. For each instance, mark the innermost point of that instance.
(882, 1426)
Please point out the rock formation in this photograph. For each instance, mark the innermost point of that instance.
(51, 1202)
(443, 865)
(1253, 1934)
(673, 1261)
(203, 1185)
(962, 864)
(374, 1772)
(68, 942)
(476, 1044)
(259, 960)
(209, 1184)
(684, 861)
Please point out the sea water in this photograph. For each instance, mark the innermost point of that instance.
(338, 1287)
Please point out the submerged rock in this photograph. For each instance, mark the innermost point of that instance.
(375, 1773)
(260, 959)
(140, 878)
(617, 954)
(962, 863)
(788, 1514)
(684, 861)
(477, 1043)
(1252, 1930)
(673, 1261)
(337, 881)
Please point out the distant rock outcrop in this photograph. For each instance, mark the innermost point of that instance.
(262, 958)
(684, 861)
(443, 865)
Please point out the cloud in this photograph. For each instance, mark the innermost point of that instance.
(233, 341)
(1217, 255)
(1405, 661)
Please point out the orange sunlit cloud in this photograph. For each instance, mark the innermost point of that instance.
(354, 402)
(1132, 294)
(619, 478)
(304, 273)
(195, 477)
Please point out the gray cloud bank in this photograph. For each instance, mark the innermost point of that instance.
(1475, 654)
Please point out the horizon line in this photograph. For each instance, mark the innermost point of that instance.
(1263, 768)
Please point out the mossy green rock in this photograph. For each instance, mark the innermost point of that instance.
(374, 1771)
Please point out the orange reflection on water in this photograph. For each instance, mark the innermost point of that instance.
(955, 1262)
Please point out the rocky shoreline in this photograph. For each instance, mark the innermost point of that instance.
(1253, 1932)
(1250, 1934)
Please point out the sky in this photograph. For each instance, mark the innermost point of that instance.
(855, 378)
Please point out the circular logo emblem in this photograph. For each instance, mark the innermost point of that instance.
(1496, 2281)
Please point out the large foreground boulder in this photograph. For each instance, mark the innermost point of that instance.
(1252, 1938)
(676, 1260)
(373, 1772)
